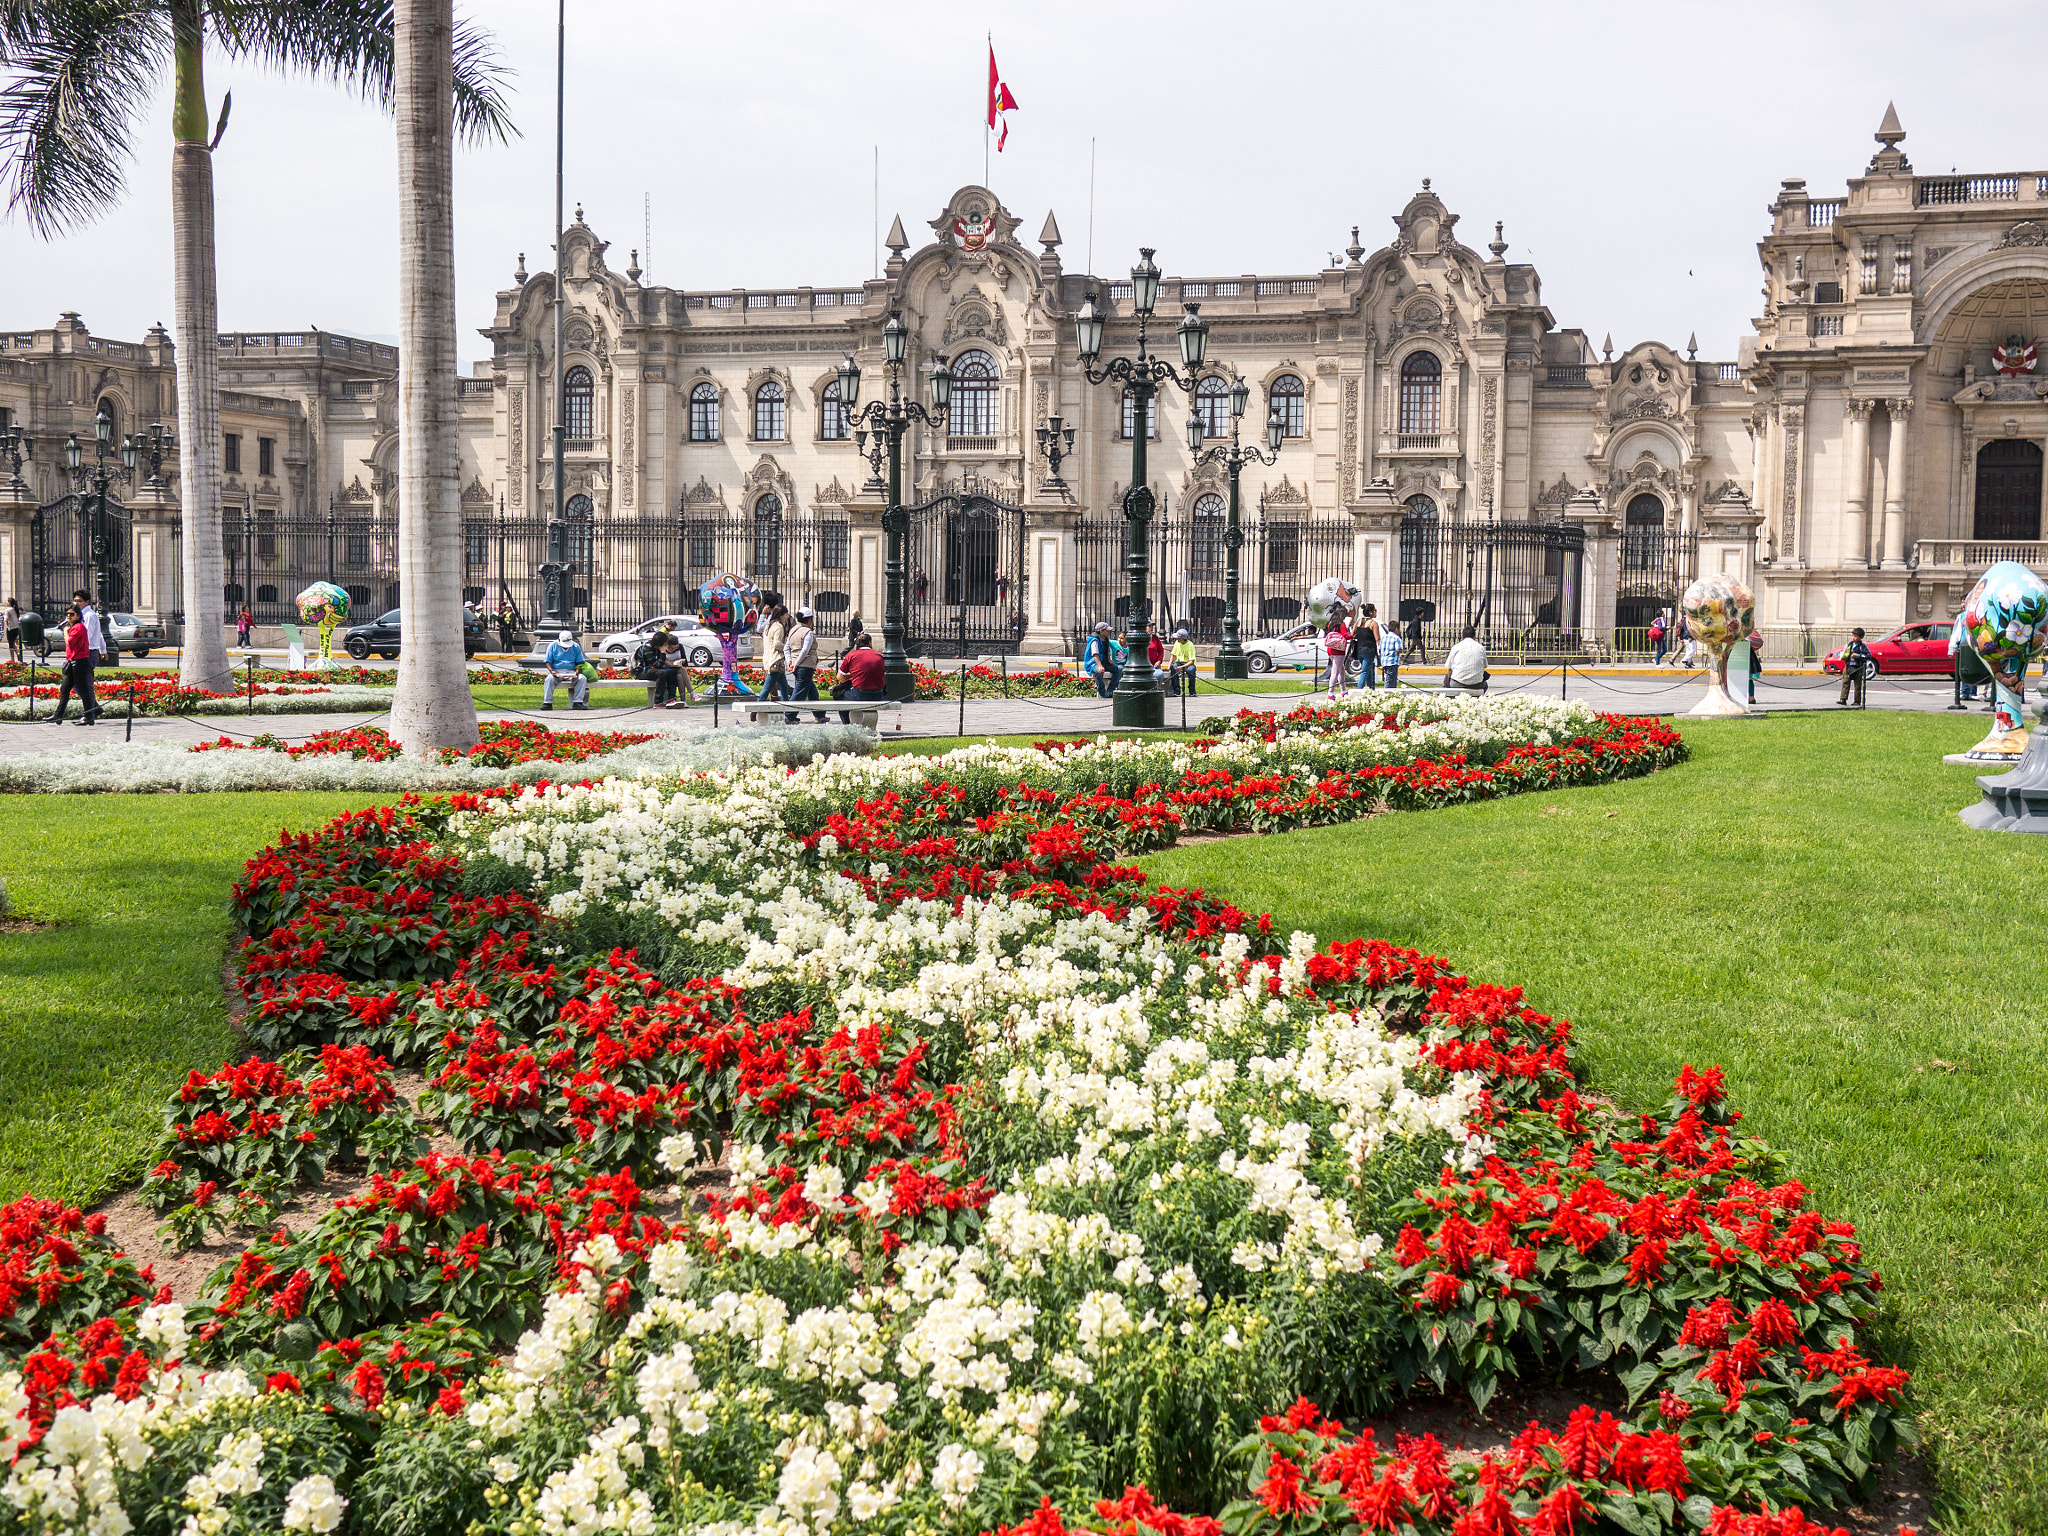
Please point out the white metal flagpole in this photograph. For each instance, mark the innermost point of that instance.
(986, 91)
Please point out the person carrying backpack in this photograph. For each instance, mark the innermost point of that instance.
(1658, 633)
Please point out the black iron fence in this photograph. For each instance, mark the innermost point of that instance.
(964, 570)
(1522, 581)
(1656, 568)
(69, 546)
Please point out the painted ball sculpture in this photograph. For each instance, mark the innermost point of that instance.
(1326, 597)
(1720, 610)
(2005, 618)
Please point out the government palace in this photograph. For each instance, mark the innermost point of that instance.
(1447, 444)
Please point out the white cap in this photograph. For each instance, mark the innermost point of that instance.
(805, 613)
(1180, 634)
(566, 638)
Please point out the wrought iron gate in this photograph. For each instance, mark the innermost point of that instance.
(1508, 579)
(65, 556)
(964, 581)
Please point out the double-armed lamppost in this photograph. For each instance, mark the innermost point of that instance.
(1230, 663)
(1056, 442)
(17, 448)
(885, 421)
(1139, 701)
(98, 476)
(152, 448)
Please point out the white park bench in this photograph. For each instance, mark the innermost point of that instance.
(865, 712)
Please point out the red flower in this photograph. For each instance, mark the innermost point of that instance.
(449, 1401)
(368, 1383)
(1773, 1323)
(1646, 1263)
(282, 1381)
(1281, 1492)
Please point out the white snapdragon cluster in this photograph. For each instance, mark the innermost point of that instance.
(314, 1505)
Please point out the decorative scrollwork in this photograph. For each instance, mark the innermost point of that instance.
(1139, 504)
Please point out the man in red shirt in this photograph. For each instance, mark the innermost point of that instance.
(78, 664)
(862, 668)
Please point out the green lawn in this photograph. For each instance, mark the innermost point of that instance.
(1800, 904)
(102, 1015)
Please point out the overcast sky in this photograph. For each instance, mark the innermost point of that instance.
(1630, 149)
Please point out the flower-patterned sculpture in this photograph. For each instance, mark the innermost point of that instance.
(1721, 612)
(2005, 621)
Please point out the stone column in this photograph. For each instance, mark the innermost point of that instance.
(17, 515)
(1377, 547)
(866, 552)
(1049, 550)
(1856, 499)
(1600, 577)
(1901, 412)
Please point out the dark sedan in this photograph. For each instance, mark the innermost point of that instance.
(381, 635)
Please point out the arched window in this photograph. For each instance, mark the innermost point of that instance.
(1419, 535)
(767, 535)
(832, 423)
(704, 413)
(579, 402)
(1422, 387)
(580, 516)
(113, 421)
(1646, 511)
(1288, 396)
(1212, 406)
(1206, 546)
(1151, 417)
(769, 407)
(1642, 533)
(974, 411)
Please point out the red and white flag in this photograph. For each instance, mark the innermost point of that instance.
(999, 100)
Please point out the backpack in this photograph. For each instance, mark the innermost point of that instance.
(644, 659)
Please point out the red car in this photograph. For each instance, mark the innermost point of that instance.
(1915, 648)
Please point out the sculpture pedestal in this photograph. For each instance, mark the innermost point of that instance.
(2016, 801)
(1718, 703)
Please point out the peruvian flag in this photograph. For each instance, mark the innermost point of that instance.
(999, 100)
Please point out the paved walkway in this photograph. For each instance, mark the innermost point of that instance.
(1011, 717)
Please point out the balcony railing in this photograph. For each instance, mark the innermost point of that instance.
(1968, 189)
(1976, 554)
(1820, 213)
(970, 445)
(1565, 376)
(1426, 440)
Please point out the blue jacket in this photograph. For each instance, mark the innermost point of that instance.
(564, 658)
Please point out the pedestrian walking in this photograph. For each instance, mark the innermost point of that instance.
(1182, 658)
(12, 623)
(1855, 660)
(78, 664)
(1365, 646)
(861, 672)
(1756, 660)
(1336, 646)
(803, 663)
(1659, 632)
(774, 643)
(565, 665)
(245, 624)
(1690, 643)
(95, 626)
(1390, 655)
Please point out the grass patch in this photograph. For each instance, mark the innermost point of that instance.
(107, 1010)
(1801, 905)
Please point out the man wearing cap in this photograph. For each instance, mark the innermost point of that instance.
(1102, 661)
(1183, 658)
(564, 658)
(802, 651)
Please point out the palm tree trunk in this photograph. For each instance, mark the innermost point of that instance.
(432, 707)
(203, 659)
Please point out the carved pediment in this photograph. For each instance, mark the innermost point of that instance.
(833, 495)
(704, 494)
(1285, 494)
(974, 315)
(765, 477)
(477, 494)
(2026, 233)
(357, 491)
(1557, 495)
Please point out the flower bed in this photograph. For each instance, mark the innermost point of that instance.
(1033, 1184)
(504, 744)
(165, 696)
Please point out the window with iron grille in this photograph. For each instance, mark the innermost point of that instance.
(832, 423)
(1212, 406)
(704, 413)
(1283, 548)
(769, 406)
(1827, 293)
(231, 452)
(1422, 383)
(1419, 530)
(476, 546)
(581, 515)
(579, 402)
(701, 535)
(1205, 548)
(1151, 417)
(974, 408)
(358, 551)
(266, 533)
(832, 545)
(1642, 541)
(1289, 396)
(767, 535)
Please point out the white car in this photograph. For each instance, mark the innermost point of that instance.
(1301, 646)
(700, 645)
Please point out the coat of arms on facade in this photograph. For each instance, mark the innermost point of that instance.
(973, 228)
(2015, 356)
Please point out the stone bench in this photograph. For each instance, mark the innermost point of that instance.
(866, 712)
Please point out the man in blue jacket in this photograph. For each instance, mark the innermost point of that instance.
(565, 656)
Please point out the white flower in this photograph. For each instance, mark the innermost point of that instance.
(956, 1474)
(313, 1505)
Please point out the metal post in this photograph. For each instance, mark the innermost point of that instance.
(554, 583)
(1564, 677)
(1230, 663)
(1138, 703)
(963, 696)
(897, 682)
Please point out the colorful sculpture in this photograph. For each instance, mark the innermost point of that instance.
(1721, 612)
(729, 607)
(1331, 600)
(325, 606)
(2005, 622)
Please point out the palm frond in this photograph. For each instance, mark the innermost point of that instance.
(82, 74)
(351, 42)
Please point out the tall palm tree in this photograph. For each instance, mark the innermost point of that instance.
(432, 707)
(82, 76)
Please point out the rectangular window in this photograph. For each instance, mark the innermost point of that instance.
(1827, 293)
(1283, 548)
(231, 452)
(358, 546)
(832, 545)
(832, 423)
(702, 537)
(1151, 417)
(266, 533)
(266, 455)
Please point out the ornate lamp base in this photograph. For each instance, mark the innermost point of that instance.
(1135, 711)
(1231, 669)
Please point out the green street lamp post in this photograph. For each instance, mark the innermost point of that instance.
(1230, 663)
(97, 476)
(880, 427)
(1139, 701)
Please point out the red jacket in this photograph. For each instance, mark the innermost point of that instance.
(1155, 650)
(863, 669)
(75, 646)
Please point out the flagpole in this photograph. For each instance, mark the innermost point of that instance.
(985, 113)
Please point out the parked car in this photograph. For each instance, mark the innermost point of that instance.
(133, 635)
(1915, 649)
(381, 635)
(700, 645)
(1301, 646)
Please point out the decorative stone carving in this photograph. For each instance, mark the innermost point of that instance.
(974, 315)
(515, 421)
(1285, 494)
(477, 494)
(2028, 233)
(357, 493)
(628, 460)
(833, 495)
(702, 494)
(1489, 405)
(1556, 495)
(1347, 464)
(767, 475)
(1795, 417)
